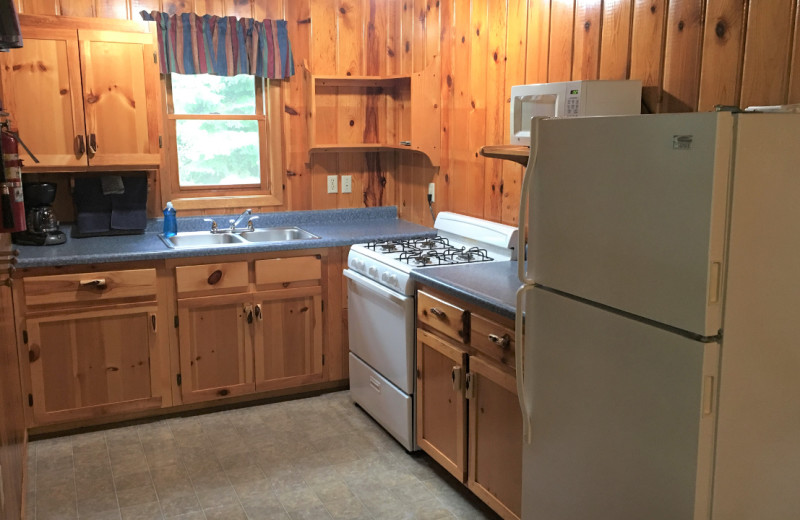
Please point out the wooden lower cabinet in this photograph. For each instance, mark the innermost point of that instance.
(265, 334)
(216, 347)
(441, 407)
(288, 349)
(495, 438)
(468, 414)
(96, 362)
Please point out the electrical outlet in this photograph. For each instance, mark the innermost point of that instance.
(432, 191)
(333, 184)
(347, 183)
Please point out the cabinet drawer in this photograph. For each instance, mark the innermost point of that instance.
(442, 316)
(492, 339)
(211, 277)
(284, 271)
(98, 286)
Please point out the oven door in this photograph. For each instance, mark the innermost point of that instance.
(381, 329)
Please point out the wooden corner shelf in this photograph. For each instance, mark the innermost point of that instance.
(508, 152)
(375, 113)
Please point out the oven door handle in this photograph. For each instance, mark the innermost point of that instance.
(375, 287)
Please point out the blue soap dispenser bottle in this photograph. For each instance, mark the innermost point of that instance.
(170, 222)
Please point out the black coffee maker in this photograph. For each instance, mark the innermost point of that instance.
(42, 223)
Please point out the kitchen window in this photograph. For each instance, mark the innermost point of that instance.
(223, 150)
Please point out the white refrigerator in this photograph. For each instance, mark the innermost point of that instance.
(660, 373)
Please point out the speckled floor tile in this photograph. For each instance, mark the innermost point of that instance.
(317, 458)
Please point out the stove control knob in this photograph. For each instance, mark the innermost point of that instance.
(392, 279)
(373, 271)
(384, 277)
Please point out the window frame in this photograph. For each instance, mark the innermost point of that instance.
(270, 190)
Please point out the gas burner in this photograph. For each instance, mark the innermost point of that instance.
(422, 258)
(388, 246)
(473, 254)
(430, 243)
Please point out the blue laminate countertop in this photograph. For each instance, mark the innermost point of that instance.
(491, 285)
(334, 227)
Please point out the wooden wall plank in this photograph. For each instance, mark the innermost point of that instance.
(447, 96)
(38, 7)
(586, 44)
(794, 74)
(114, 9)
(515, 75)
(137, 6)
(239, 8)
(721, 70)
(212, 7)
(615, 40)
(766, 53)
(647, 49)
(176, 6)
(295, 111)
(83, 8)
(460, 155)
(495, 107)
(682, 56)
(269, 9)
(479, 44)
(538, 54)
(562, 19)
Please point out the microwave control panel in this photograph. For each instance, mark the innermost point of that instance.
(573, 102)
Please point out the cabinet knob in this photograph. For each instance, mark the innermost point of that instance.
(92, 144)
(502, 342)
(97, 283)
(457, 376)
(214, 277)
(223, 392)
(34, 353)
(259, 315)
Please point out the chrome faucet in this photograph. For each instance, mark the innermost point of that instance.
(246, 214)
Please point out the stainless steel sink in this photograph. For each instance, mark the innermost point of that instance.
(198, 239)
(277, 234)
(201, 239)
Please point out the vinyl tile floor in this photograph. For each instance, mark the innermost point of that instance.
(316, 458)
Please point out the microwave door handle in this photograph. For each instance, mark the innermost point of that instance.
(524, 202)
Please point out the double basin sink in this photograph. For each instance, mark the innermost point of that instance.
(199, 239)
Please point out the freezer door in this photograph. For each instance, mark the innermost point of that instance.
(630, 212)
(622, 416)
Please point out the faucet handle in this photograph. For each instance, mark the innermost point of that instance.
(213, 224)
(232, 222)
(250, 226)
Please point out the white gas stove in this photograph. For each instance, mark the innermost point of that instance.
(381, 310)
(460, 239)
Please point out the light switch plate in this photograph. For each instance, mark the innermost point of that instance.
(333, 184)
(347, 183)
(432, 191)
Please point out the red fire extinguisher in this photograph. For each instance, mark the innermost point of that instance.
(11, 199)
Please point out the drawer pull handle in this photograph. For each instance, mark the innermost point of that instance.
(214, 277)
(248, 313)
(153, 322)
(92, 144)
(503, 341)
(223, 392)
(98, 283)
(34, 353)
(469, 388)
(439, 313)
(81, 148)
(259, 315)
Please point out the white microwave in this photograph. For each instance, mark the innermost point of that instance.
(571, 99)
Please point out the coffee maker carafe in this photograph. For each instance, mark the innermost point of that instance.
(42, 223)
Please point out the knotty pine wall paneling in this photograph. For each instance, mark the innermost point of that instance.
(690, 55)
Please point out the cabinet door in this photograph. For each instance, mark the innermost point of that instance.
(87, 364)
(495, 438)
(42, 92)
(121, 93)
(441, 407)
(288, 347)
(215, 343)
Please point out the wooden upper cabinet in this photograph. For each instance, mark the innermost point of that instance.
(84, 98)
(120, 85)
(42, 91)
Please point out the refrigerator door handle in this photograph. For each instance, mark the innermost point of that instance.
(519, 332)
(525, 201)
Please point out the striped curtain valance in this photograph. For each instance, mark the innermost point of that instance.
(222, 45)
